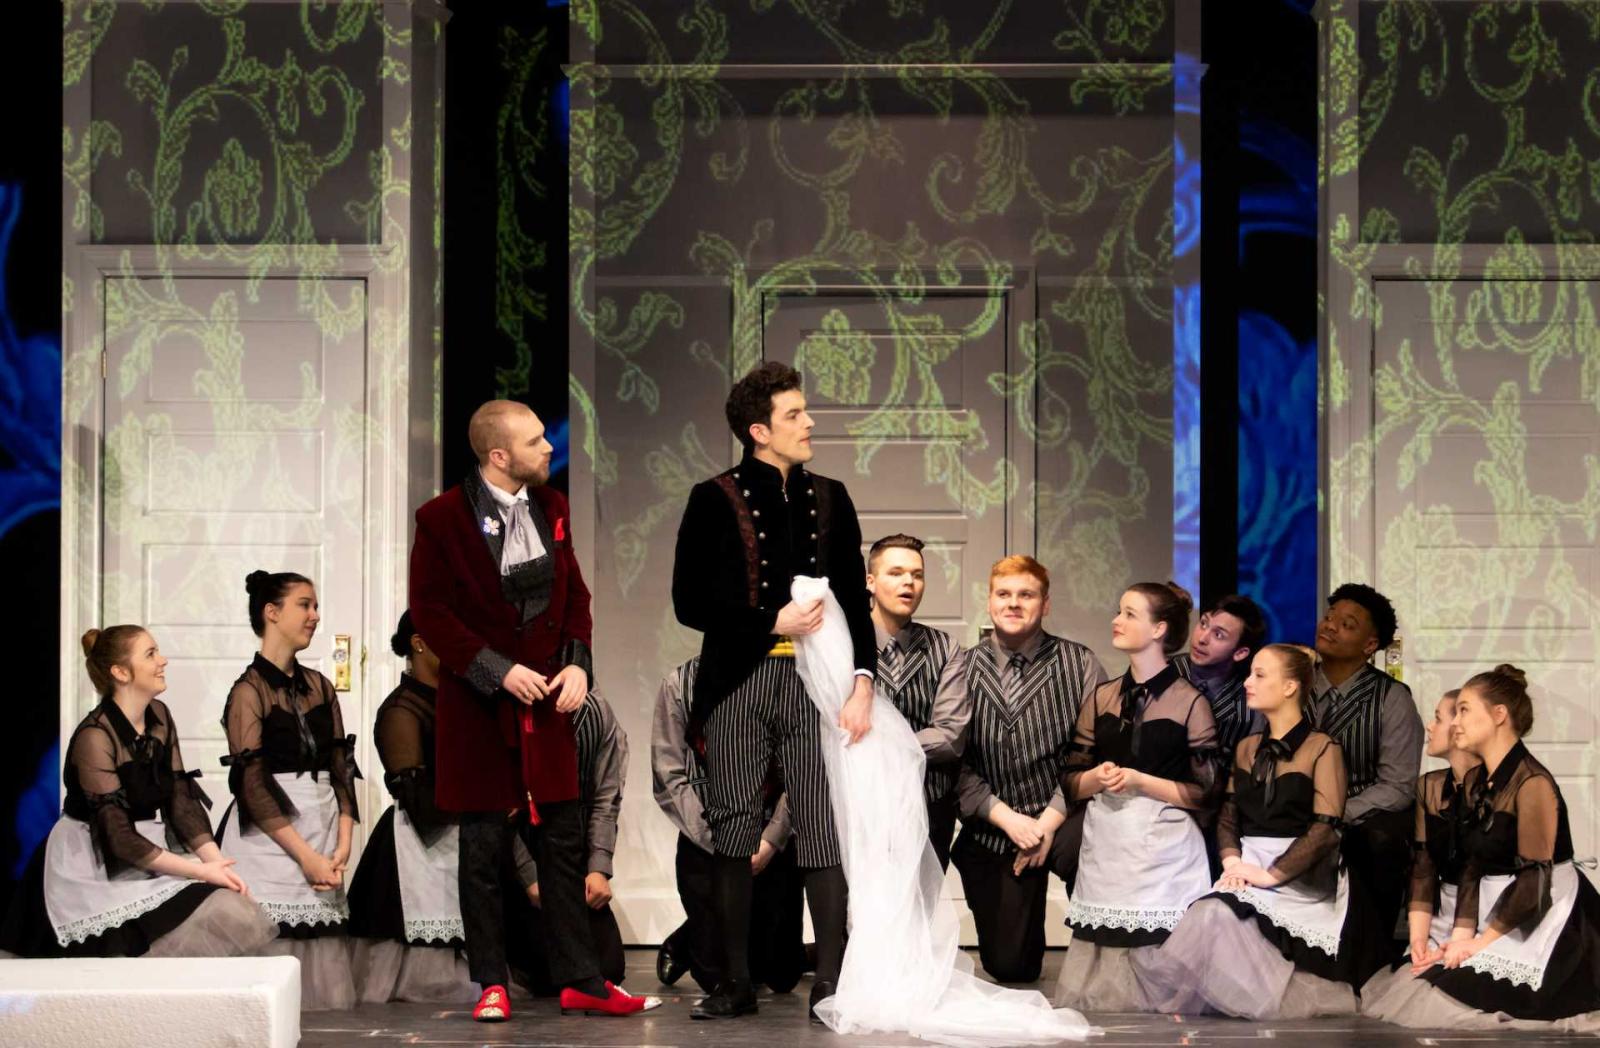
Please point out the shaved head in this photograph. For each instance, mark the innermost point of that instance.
(492, 424)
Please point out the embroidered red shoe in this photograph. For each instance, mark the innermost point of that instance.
(616, 1002)
(493, 1007)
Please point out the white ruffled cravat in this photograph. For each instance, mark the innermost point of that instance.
(522, 542)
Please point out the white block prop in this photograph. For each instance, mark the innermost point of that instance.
(137, 1002)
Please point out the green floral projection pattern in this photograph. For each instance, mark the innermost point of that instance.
(1462, 169)
(874, 192)
(228, 152)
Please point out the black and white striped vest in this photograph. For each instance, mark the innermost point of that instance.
(1352, 716)
(1020, 747)
(909, 672)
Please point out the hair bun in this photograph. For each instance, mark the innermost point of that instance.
(254, 581)
(1183, 596)
(1514, 673)
(89, 637)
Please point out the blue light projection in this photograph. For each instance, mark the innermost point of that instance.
(30, 480)
(1186, 325)
(1278, 396)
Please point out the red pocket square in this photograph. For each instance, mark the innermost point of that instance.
(561, 529)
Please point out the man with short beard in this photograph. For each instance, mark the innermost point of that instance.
(496, 593)
(911, 659)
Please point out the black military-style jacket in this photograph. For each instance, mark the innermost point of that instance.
(745, 535)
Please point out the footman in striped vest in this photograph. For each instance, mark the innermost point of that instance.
(1025, 686)
(746, 534)
(1231, 629)
(1373, 718)
(911, 660)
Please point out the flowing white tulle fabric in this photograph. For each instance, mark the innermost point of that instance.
(903, 970)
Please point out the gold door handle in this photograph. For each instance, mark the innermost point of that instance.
(341, 662)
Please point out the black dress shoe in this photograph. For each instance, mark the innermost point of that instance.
(821, 990)
(668, 968)
(729, 1002)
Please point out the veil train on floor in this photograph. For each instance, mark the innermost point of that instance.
(903, 969)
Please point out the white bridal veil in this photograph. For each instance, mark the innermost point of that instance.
(903, 970)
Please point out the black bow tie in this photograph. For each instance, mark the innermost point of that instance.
(1264, 770)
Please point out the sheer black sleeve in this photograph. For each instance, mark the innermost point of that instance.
(93, 755)
(1228, 817)
(1205, 786)
(1424, 875)
(262, 802)
(1329, 782)
(1528, 896)
(186, 811)
(1082, 756)
(342, 769)
(408, 769)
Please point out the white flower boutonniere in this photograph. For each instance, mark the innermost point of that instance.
(491, 526)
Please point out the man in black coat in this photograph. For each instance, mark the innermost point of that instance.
(746, 534)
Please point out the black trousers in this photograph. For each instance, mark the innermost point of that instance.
(942, 827)
(560, 846)
(529, 943)
(1008, 909)
(1378, 851)
(777, 921)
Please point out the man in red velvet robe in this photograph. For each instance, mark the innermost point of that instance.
(497, 594)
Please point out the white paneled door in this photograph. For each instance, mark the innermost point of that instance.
(234, 440)
(1486, 469)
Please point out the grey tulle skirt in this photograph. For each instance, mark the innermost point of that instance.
(386, 970)
(1403, 999)
(225, 924)
(326, 982)
(1187, 973)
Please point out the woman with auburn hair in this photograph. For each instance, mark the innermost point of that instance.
(1524, 952)
(1143, 758)
(293, 781)
(131, 868)
(1281, 937)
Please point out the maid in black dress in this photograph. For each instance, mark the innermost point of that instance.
(1144, 759)
(1525, 949)
(131, 868)
(1282, 937)
(292, 775)
(1436, 851)
(405, 905)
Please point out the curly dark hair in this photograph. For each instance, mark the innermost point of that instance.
(750, 400)
(1377, 605)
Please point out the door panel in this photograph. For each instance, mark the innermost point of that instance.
(906, 418)
(234, 436)
(1487, 470)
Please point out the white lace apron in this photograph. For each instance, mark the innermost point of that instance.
(1142, 863)
(430, 899)
(82, 899)
(276, 881)
(1522, 956)
(1304, 907)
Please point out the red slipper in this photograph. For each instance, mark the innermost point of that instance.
(493, 1007)
(616, 1002)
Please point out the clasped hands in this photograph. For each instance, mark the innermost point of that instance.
(1112, 778)
(1236, 873)
(570, 686)
(1452, 954)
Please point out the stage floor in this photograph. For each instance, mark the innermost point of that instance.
(538, 1023)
